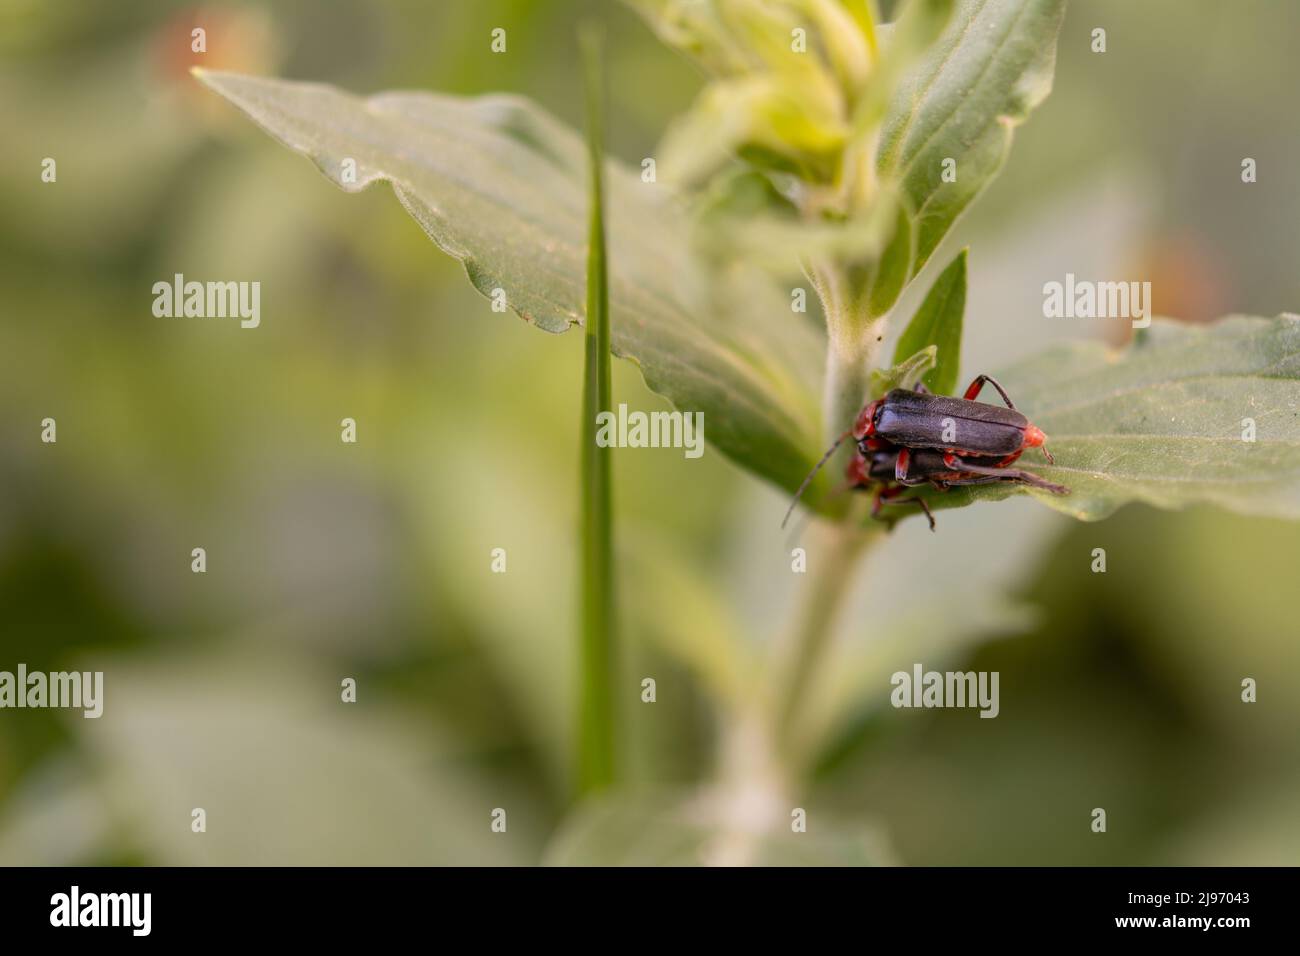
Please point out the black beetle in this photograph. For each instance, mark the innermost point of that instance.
(917, 419)
(911, 438)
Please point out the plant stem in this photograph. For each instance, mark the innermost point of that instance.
(596, 716)
(852, 344)
(847, 378)
(837, 554)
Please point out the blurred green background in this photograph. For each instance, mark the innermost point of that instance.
(372, 560)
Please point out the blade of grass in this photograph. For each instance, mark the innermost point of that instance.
(596, 719)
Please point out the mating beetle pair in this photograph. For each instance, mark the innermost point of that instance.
(912, 437)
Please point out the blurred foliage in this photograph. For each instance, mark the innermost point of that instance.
(326, 560)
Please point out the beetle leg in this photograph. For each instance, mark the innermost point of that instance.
(972, 479)
(883, 496)
(1011, 474)
(900, 467)
(887, 498)
(953, 460)
(929, 515)
(919, 502)
(980, 381)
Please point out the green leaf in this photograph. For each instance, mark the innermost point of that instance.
(596, 706)
(938, 322)
(498, 183)
(905, 374)
(878, 282)
(1163, 422)
(992, 65)
(918, 24)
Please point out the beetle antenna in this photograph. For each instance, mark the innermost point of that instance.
(811, 475)
(1048, 455)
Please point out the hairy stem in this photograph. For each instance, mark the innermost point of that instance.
(847, 377)
(853, 341)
